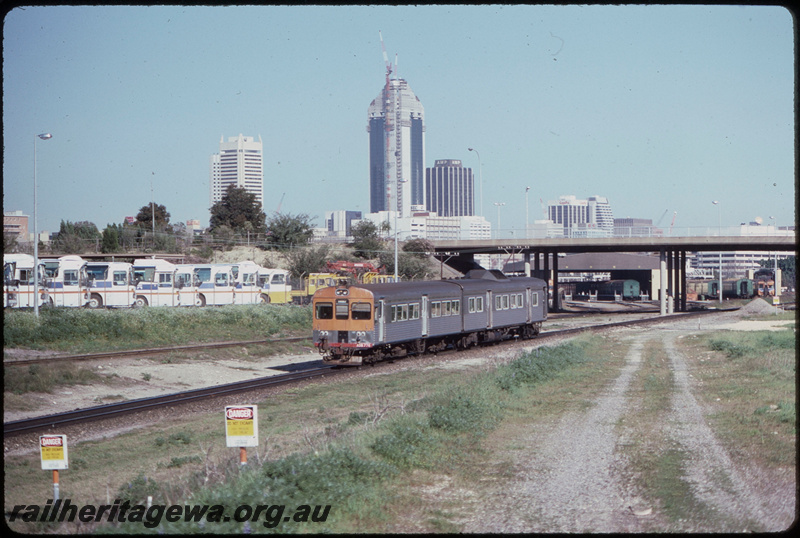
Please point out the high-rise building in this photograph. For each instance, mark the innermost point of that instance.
(238, 163)
(450, 189)
(591, 217)
(396, 127)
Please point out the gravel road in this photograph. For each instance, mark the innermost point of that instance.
(572, 476)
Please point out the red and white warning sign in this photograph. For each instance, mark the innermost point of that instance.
(53, 449)
(241, 425)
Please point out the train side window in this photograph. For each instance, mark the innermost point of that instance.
(513, 300)
(361, 311)
(456, 309)
(446, 308)
(498, 302)
(436, 309)
(478, 304)
(520, 301)
(324, 311)
(341, 309)
(414, 313)
(403, 312)
(505, 302)
(535, 299)
(471, 305)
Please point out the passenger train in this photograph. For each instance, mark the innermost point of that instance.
(365, 323)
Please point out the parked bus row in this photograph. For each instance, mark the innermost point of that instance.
(71, 281)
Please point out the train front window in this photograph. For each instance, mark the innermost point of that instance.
(324, 311)
(342, 309)
(361, 311)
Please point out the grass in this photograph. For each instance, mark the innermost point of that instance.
(347, 448)
(79, 330)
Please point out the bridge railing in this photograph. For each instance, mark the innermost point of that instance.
(650, 231)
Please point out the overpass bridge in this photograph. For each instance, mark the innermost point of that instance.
(543, 253)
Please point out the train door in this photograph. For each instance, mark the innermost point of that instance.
(490, 310)
(529, 306)
(424, 315)
(380, 318)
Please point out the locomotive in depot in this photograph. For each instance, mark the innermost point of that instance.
(361, 324)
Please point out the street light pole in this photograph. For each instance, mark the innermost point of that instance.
(480, 175)
(719, 207)
(527, 215)
(43, 136)
(498, 204)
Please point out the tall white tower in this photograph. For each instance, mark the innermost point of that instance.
(396, 126)
(239, 163)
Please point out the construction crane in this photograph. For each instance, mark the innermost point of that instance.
(662, 217)
(673, 222)
(278, 210)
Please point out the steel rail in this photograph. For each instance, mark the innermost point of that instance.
(144, 404)
(153, 351)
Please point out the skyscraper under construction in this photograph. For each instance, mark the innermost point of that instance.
(396, 126)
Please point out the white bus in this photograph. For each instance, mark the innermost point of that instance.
(217, 284)
(156, 284)
(274, 283)
(67, 281)
(110, 284)
(247, 289)
(18, 288)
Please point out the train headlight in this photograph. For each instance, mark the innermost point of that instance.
(323, 334)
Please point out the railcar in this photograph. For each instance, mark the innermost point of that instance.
(355, 324)
(738, 288)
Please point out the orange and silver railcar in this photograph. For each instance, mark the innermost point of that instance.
(365, 323)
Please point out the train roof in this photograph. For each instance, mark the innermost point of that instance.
(474, 281)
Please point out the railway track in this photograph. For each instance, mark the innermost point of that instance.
(144, 404)
(148, 352)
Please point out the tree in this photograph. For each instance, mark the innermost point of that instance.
(237, 209)
(285, 230)
(367, 243)
(303, 261)
(421, 248)
(145, 217)
(75, 237)
(111, 240)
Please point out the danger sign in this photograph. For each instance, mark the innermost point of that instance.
(241, 425)
(53, 450)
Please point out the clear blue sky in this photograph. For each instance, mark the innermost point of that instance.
(658, 108)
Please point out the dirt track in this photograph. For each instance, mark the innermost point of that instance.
(576, 475)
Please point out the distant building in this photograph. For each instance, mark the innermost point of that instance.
(16, 222)
(338, 224)
(239, 163)
(450, 189)
(396, 127)
(591, 217)
(631, 227)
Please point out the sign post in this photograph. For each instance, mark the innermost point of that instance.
(241, 428)
(53, 450)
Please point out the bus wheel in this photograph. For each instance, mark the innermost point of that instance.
(263, 299)
(200, 301)
(140, 301)
(95, 301)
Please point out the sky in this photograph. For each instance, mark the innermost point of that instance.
(661, 109)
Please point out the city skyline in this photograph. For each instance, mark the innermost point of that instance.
(657, 108)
